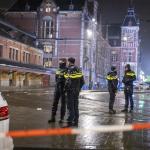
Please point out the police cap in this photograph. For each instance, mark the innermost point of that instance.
(128, 66)
(71, 60)
(113, 68)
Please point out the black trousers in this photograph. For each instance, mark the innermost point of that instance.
(129, 97)
(59, 95)
(112, 98)
(72, 105)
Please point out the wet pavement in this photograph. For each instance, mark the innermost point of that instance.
(31, 110)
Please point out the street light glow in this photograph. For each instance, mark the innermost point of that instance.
(89, 33)
(124, 38)
(93, 19)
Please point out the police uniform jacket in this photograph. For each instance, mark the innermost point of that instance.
(129, 77)
(74, 78)
(112, 79)
(60, 79)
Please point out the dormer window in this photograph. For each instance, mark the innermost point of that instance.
(54, 9)
(48, 9)
(41, 9)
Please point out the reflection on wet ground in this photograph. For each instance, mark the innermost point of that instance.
(93, 112)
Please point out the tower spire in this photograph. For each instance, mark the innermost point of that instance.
(130, 3)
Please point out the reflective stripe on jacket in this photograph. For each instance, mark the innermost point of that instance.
(111, 77)
(74, 75)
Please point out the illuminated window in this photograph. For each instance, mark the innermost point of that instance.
(26, 57)
(41, 9)
(48, 9)
(47, 29)
(114, 57)
(48, 48)
(130, 57)
(47, 62)
(13, 54)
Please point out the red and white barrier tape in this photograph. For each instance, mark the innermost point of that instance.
(71, 131)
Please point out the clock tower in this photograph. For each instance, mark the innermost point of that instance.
(129, 41)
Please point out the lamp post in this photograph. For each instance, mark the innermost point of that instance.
(90, 39)
(89, 36)
(91, 33)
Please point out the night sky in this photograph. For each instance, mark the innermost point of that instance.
(113, 11)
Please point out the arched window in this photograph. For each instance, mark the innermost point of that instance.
(47, 25)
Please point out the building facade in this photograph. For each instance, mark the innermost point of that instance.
(21, 64)
(77, 34)
(103, 61)
(125, 45)
(114, 38)
(70, 31)
(39, 20)
(89, 45)
(69, 35)
(129, 41)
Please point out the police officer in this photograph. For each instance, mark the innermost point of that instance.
(112, 88)
(129, 77)
(59, 91)
(74, 83)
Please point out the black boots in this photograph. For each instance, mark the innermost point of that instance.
(124, 110)
(131, 111)
(61, 120)
(52, 120)
(111, 111)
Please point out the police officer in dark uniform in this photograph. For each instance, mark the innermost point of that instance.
(59, 91)
(74, 83)
(129, 77)
(112, 88)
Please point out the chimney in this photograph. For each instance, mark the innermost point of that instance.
(27, 7)
(71, 6)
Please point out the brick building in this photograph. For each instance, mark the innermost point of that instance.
(69, 35)
(21, 63)
(114, 38)
(70, 30)
(39, 19)
(103, 59)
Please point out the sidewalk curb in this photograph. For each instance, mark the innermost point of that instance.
(25, 89)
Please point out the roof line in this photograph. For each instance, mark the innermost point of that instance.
(13, 27)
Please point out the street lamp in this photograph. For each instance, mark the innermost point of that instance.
(90, 35)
